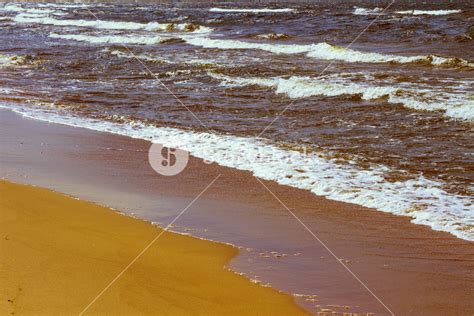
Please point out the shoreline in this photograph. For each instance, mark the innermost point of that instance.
(79, 246)
(296, 170)
(359, 235)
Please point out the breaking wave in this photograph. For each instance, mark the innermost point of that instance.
(272, 36)
(112, 25)
(249, 10)
(15, 60)
(206, 63)
(452, 105)
(424, 200)
(111, 39)
(363, 11)
(429, 12)
(17, 8)
(6, 60)
(69, 5)
(328, 52)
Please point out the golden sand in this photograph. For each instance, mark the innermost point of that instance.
(57, 253)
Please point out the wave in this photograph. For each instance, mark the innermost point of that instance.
(429, 12)
(453, 105)
(6, 60)
(272, 36)
(327, 52)
(206, 63)
(69, 5)
(250, 10)
(320, 51)
(195, 61)
(424, 200)
(111, 39)
(363, 11)
(16, 60)
(207, 42)
(16, 8)
(112, 25)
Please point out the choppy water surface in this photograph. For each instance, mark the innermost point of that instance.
(386, 123)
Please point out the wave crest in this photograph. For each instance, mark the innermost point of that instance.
(113, 25)
(364, 11)
(453, 105)
(424, 200)
(16, 60)
(272, 36)
(428, 12)
(112, 39)
(328, 52)
(250, 10)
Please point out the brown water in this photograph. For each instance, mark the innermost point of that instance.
(393, 115)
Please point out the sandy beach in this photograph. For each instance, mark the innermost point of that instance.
(414, 270)
(58, 253)
(237, 158)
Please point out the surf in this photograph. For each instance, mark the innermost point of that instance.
(423, 200)
(421, 98)
(327, 51)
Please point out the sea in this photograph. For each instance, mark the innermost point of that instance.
(369, 103)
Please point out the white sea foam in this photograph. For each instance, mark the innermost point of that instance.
(69, 5)
(17, 8)
(429, 12)
(325, 51)
(250, 10)
(5, 60)
(424, 200)
(162, 59)
(111, 39)
(220, 61)
(272, 36)
(364, 11)
(320, 50)
(30, 12)
(109, 25)
(454, 105)
(11, 60)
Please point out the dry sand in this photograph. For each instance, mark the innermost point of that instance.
(57, 253)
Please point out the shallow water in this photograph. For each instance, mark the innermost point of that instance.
(386, 123)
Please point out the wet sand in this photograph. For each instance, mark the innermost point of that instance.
(412, 269)
(57, 253)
